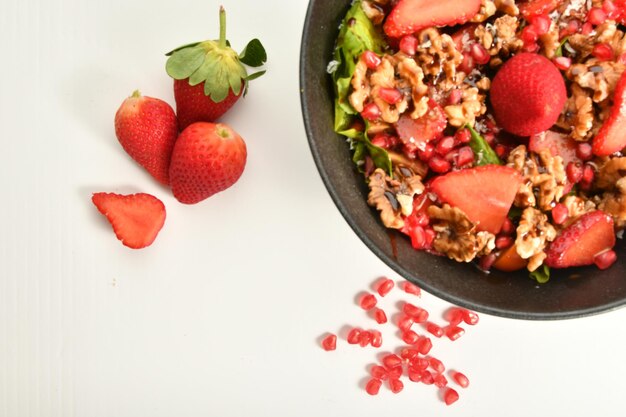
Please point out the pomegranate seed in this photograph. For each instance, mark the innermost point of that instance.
(418, 237)
(503, 242)
(584, 151)
(411, 288)
(377, 338)
(455, 96)
(605, 259)
(382, 140)
(430, 236)
(541, 24)
(562, 62)
(405, 322)
(420, 364)
(330, 342)
(454, 316)
(385, 285)
(365, 338)
(371, 112)
(490, 137)
(574, 171)
(396, 385)
(414, 375)
(410, 337)
(434, 329)
(507, 227)
(587, 28)
(609, 7)
(468, 64)
(354, 336)
(427, 378)
(440, 381)
(463, 136)
(395, 372)
(409, 354)
(573, 26)
(470, 317)
(368, 301)
(480, 54)
(454, 332)
(408, 44)
(379, 372)
(501, 151)
(439, 165)
(422, 219)
(602, 51)
(426, 152)
(372, 61)
(445, 145)
(380, 316)
(419, 315)
(373, 386)
(588, 174)
(460, 379)
(487, 261)
(390, 95)
(450, 396)
(465, 156)
(391, 361)
(424, 345)
(596, 16)
(529, 35)
(437, 365)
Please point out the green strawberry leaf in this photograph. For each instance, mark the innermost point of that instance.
(253, 54)
(255, 75)
(203, 72)
(189, 45)
(185, 62)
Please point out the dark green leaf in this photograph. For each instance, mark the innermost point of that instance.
(515, 213)
(380, 157)
(253, 54)
(541, 275)
(483, 153)
(185, 62)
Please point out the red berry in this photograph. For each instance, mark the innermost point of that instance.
(454, 316)
(409, 354)
(562, 62)
(372, 61)
(405, 322)
(424, 345)
(371, 112)
(408, 44)
(480, 54)
(605, 259)
(365, 338)
(368, 301)
(420, 364)
(414, 375)
(560, 213)
(460, 379)
(434, 329)
(390, 95)
(454, 332)
(411, 288)
(395, 372)
(440, 381)
(602, 51)
(465, 156)
(470, 317)
(373, 386)
(391, 361)
(410, 337)
(380, 316)
(379, 372)
(584, 151)
(574, 171)
(437, 365)
(354, 336)
(468, 64)
(445, 145)
(463, 136)
(450, 396)
(439, 165)
(382, 140)
(376, 338)
(396, 385)
(418, 237)
(596, 16)
(418, 314)
(329, 342)
(384, 286)
(529, 35)
(427, 378)
(426, 151)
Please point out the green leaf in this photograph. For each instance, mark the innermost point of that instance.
(217, 86)
(483, 153)
(189, 45)
(255, 75)
(515, 213)
(203, 72)
(185, 62)
(380, 157)
(541, 275)
(559, 50)
(253, 54)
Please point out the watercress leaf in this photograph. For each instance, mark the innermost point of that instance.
(541, 275)
(483, 153)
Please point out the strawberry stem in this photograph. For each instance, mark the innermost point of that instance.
(136, 94)
(222, 27)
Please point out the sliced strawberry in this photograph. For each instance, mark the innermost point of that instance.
(424, 129)
(534, 8)
(558, 144)
(136, 218)
(611, 137)
(410, 16)
(485, 194)
(579, 244)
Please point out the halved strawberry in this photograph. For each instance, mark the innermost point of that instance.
(136, 218)
(424, 129)
(558, 144)
(611, 137)
(410, 16)
(579, 244)
(485, 194)
(533, 8)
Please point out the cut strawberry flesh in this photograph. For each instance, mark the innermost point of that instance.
(611, 137)
(485, 194)
(558, 144)
(410, 16)
(534, 8)
(582, 241)
(423, 129)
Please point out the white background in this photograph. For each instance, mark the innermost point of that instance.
(222, 315)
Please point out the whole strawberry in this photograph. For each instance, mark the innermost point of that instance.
(207, 158)
(209, 77)
(147, 129)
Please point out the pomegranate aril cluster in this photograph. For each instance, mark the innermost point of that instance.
(413, 361)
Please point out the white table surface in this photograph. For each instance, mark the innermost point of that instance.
(222, 315)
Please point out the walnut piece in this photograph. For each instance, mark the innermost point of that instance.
(612, 171)
(437, 55)
(456, 236)
(507, 7)
(374, 11)
(578, 115)
(612, 178)
(577, 206)
(600, 77)
(533, 234)
(472, 105)
(500, 38)
(487, 9)
(393, 197)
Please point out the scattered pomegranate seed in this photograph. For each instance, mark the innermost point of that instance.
(437, 365)
(390, 95)
(450, 396)
(379, 372)
(414, 375)
(465, 156)
(395, 372)
(541, 24)
(560, 213)
(376, 338)
(602, 51)
(454, 332)
(418, 314)
(410, 337)
(381, 140)
(596, 16)
(373, 386)
(507, 227)
(587, 28)
(434, 329)
(395, 385)
(365, 338)
(529, 35)
(605, 259)
(588, 174)
(460, 379)
(468, 64)
(330, 342)
(574, 171)
(439, 165)
(418, 237)
(445, 145)
(584, 151)
(562, 62)
(354, 336)
(420, 364)
(503, 242)
(455, 96)
(371, 112)
(391, 361)
(430, 236)
(440, 381)
(385, 285)
(470, 317)
(426, 152)
(368, 301)
(463, 136)
(427, 378)
(409, 354)
(372, 61)
(411, 288)
(380, 316)
(424, 345)
(405, 322)
(454, 316)
(408, 44)
(480, 54)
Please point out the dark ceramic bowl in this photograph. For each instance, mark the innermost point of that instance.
(569, 294)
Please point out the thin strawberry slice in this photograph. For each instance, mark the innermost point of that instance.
(534, 8)
(485, 194)
(424, 129)
(410, 16)
(611, 137)
(136, 218)
(558, 144)
(582, 241)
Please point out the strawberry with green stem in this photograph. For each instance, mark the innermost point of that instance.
(209, 77)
